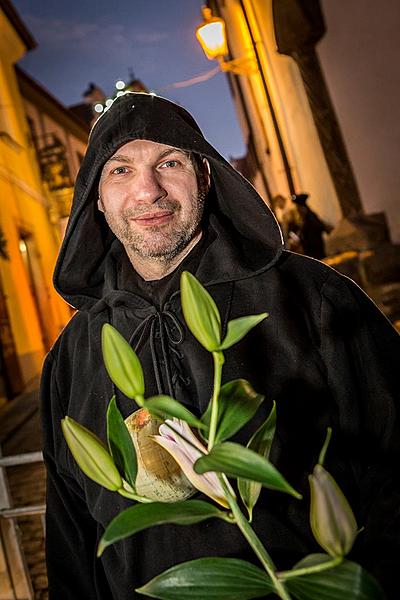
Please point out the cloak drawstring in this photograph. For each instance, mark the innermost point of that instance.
(171, 334)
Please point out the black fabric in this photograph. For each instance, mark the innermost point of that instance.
(325, 354)
(158, 291)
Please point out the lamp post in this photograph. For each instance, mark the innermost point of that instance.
(211, 35)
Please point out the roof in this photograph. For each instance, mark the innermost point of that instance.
(34, 92)
(18, 24)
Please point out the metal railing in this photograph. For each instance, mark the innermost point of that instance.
(15, 581)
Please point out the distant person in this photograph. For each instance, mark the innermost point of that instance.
(279, 207)
(308, 228)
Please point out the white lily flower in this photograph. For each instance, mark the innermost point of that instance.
(187, 454)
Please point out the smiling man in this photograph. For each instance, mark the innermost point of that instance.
(154, 198)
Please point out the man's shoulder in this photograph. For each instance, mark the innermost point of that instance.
(337, 292)
(315, 277)
(76, 332)
(308, 269)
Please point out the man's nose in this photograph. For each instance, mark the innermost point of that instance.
(148, 187)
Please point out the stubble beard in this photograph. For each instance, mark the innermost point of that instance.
(160, 244)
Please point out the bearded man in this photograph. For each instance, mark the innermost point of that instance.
(154, 198)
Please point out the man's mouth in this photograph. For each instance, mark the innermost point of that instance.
(159, 217)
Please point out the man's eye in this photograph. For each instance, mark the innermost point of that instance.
(119, 170)
(170, 164)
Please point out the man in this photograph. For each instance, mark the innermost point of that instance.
(308, 227)
(152, 199)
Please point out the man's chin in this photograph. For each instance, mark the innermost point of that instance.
(156, 253)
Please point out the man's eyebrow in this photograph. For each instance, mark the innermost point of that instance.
(128, 159)
(118, 158)
(173, 151)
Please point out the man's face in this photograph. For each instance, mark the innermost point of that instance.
(151, 199)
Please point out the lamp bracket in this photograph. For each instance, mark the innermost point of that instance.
(244, 65)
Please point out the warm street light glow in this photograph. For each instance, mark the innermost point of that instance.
(212, 36)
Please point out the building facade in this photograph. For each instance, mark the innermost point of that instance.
(282, 56)
(273, 104)
(40, 148)
(293, 129)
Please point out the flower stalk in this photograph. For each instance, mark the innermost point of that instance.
(255, 543)
(219, 360)
(324, 566)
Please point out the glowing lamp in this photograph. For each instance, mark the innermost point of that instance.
(211, 35)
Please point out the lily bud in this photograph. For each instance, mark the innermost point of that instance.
(186, 454)
(91, 455)
(200, 312)
(122, 363)
(332, 520)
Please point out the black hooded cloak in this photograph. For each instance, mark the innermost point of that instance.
(326, 355)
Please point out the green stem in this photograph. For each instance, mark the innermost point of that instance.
(218, 363)
(329, 564)
(139, 399)
(133, 496)
(325, 446)
(254, 541)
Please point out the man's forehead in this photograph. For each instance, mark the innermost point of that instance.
(136, 147)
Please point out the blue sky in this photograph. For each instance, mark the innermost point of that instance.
(82, 41)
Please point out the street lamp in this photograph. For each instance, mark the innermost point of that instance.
(211, 34)
(212, 37)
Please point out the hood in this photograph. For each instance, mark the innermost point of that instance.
(80, 270)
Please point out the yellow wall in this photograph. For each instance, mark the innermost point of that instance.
(23, 211)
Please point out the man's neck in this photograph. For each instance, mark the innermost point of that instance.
(151, 269)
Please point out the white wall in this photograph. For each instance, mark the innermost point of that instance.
(360, 56)
(305, 155)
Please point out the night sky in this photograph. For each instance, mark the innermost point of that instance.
(81, 41)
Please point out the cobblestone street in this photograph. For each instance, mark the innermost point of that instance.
(20, 433)
(27, 486)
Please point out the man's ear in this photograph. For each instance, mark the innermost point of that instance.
(100, 204)
(207, 172)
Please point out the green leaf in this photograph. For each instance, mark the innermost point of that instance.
(120, 443)
(261, 443)
(91, 455)
(121, 362)
(311, 560)
(236, 461)
(348, 581)
(166, 406)
(200, 312)
(237, 404)
(238, 328)
(211, 578)
(141, 516)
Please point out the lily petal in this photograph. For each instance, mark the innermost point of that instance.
(186, 455)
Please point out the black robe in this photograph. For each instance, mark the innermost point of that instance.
(325, 354)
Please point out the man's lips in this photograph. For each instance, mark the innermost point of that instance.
(153, 218)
